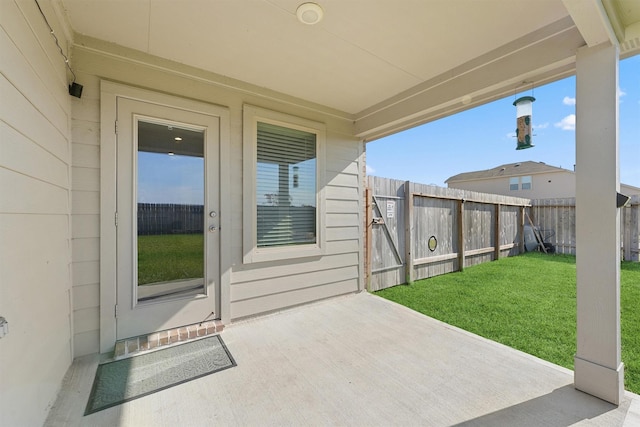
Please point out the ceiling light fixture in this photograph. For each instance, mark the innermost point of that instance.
(177, 138)
(309, 13)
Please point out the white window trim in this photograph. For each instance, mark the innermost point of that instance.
(251, 252)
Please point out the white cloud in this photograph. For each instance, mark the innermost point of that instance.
(541, 126)
(370, 170)
(568, 123)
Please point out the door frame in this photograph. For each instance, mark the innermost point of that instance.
(109, 93)
(135, 317)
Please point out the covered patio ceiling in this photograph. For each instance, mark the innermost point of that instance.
(387, 65)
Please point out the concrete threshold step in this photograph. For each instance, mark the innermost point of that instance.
(129, 347)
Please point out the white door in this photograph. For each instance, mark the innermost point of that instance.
(167, 217)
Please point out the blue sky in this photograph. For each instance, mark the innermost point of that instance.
(484, 137)
(170, 179)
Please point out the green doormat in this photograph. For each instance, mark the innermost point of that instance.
(128, 379)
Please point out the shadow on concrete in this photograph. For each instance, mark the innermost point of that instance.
(562, 407)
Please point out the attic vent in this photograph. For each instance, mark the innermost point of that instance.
(502, 169)
(516, 165)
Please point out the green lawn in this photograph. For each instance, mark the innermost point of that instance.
(170, 257)
(527, 302)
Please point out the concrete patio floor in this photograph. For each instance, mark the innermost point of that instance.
(357, 360)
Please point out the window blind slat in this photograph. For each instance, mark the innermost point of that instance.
(286, 177)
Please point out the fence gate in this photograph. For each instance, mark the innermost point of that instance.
(415, 231)
(386, 232)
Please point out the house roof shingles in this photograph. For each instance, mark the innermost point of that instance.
(510, 169)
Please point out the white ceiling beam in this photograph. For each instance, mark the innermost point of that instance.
(475, 99)
(592, 21)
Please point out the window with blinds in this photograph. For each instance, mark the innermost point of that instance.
(286, 193)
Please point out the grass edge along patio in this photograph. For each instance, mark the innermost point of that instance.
(526, 302)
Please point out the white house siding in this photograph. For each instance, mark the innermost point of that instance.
(35, 158)
(554, 184)
(252, 289)
(271, 286)
(550, 185)
(85, 232)
(543, 185)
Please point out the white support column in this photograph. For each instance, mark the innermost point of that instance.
(598, 366)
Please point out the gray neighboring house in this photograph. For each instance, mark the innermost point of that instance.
(533, 180)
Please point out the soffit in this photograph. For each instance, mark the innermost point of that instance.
(384, 65)
(628, 11)
(362, 53)
(625, 15)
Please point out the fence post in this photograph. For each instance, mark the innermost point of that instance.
(369, 223)
(408, 231)
(634, 213)
(496, 233)
(521, 230)
(461, 232)
(626, 226)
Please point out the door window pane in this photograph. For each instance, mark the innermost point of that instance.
(170, 206)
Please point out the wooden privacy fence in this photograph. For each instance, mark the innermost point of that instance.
(415, 231)
(169, 218)
(556, 219)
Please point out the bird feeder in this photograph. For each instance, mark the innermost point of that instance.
(523, 114)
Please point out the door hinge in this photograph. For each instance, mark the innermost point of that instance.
(116, 127)
(115, 218)
(115, 310)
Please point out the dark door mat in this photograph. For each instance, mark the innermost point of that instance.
(128, 379)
